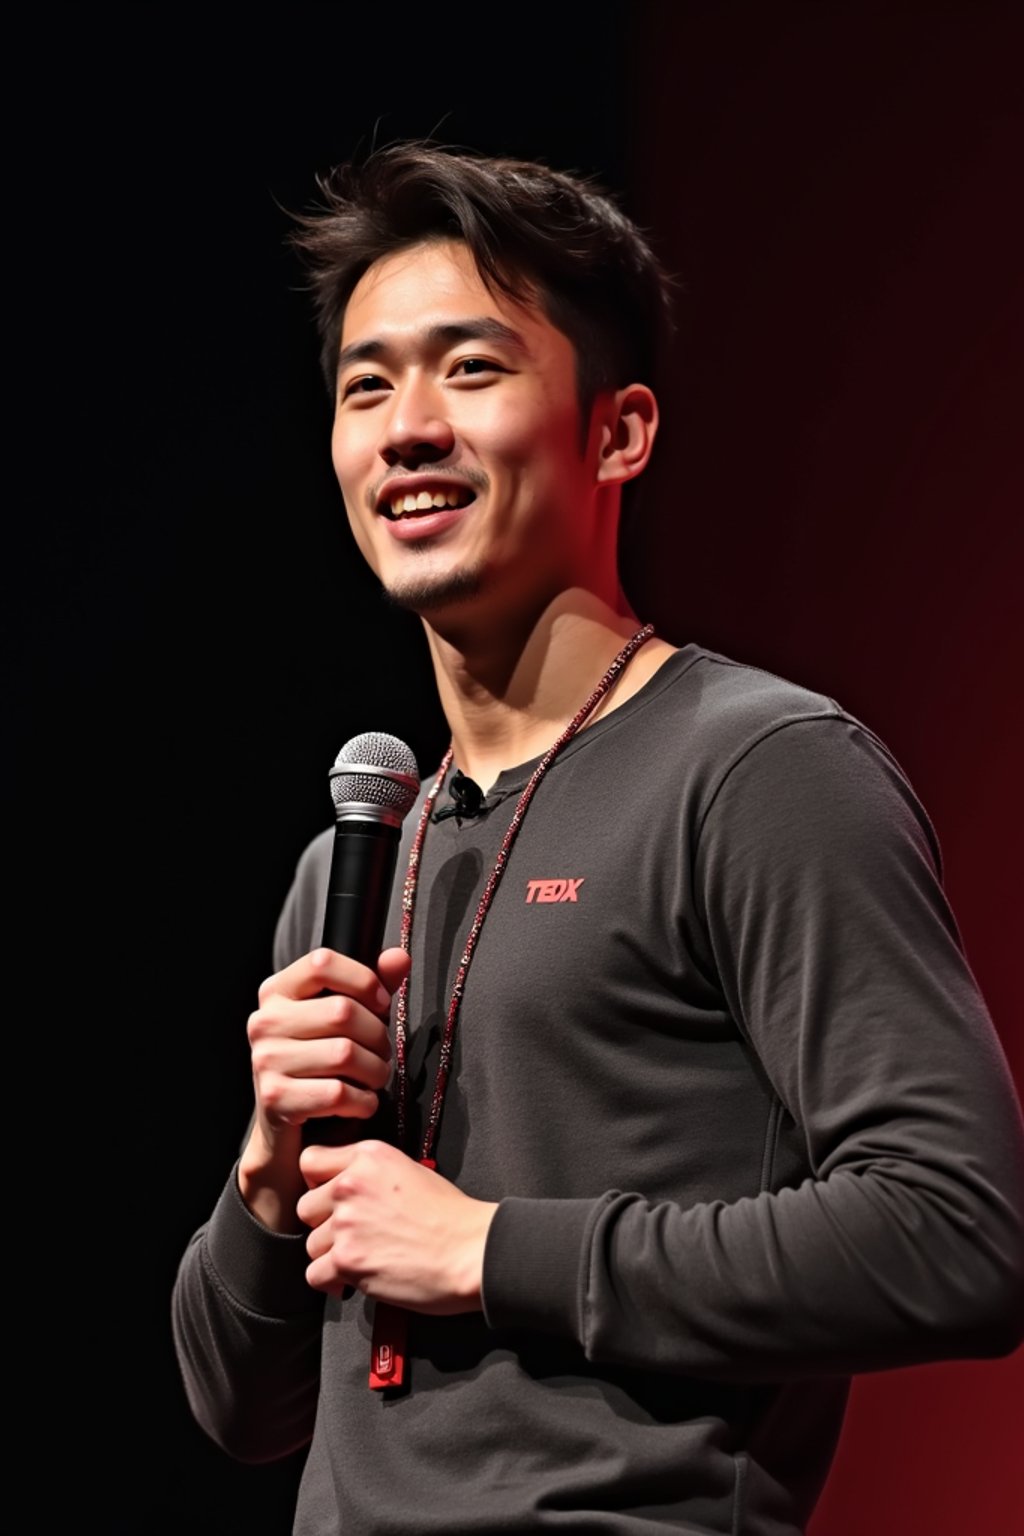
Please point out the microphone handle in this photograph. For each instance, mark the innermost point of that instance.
(359, 889)
(358, 896)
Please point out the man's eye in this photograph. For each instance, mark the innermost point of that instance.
(368, 384)
(476, 365)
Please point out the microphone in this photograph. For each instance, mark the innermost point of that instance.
(467, 795)
(374, 783)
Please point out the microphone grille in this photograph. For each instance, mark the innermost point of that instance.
(375, 769)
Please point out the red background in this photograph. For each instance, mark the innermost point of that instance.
(845, 501)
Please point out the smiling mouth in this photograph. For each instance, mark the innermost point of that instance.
(402, 504)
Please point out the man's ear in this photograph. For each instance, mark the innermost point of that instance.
(628, 422)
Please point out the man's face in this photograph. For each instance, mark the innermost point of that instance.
(457, 437)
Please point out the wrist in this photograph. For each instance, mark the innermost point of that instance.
(270, 1181)
(469, 1280)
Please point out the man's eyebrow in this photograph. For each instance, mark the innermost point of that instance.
(449, 334)
(484, 328)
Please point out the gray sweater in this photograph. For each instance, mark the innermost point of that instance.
(724, 1065)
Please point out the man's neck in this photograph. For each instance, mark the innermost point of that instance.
(508, 690)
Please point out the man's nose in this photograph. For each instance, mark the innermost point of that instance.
(417, 429)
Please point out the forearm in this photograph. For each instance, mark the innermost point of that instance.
(861, 1271)
(247, 1334)
(897, 1236)
(269, 1179)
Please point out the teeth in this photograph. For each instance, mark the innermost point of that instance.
(427, 501)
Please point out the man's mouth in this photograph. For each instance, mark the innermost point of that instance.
(415, 504)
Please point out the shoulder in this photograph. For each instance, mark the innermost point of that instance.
(681, 738)
(735, 703)
(731, 707)
(794, 774)
(711, 711)
(762, 746)
(720, 706)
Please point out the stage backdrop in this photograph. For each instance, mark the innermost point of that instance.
(836, 496)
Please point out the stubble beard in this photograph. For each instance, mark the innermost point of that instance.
(432, 591)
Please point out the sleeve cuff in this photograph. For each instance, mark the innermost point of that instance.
(264, 1271)
(534, 1265)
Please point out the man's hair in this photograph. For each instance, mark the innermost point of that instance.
(533, 232)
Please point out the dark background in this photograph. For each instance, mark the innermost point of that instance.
(837, 496)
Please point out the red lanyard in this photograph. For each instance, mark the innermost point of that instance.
(409, 903)
(390, 1323)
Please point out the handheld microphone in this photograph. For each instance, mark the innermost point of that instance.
(374, 784)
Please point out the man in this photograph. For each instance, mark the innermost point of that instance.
(690, 1106)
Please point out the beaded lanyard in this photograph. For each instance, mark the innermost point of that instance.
(409, 902)
(387, 1352)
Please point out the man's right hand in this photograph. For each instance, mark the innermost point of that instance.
(320, 1047)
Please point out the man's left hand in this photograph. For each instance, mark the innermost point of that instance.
(392, 1228)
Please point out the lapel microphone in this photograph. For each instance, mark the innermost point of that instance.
(467, 795)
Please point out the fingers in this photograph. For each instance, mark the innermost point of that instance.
(318, 1164)
(393, 967)
(299, 1077)
(383, 1223)
(324, 970)
(287, 1101)
(318, 1018)
(319, 1043)
(324, 1056)
(335, 1055)
(343, 1181)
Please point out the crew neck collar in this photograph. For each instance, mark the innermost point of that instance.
(510, 780)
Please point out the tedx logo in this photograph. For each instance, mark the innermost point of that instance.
(553, 890)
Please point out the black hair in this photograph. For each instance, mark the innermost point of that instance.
(534, 233)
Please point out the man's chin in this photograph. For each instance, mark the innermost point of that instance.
(431, 592)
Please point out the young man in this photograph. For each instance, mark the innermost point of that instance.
(690, 1106)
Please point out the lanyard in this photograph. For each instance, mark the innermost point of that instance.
(409, 904)
(390, 1323)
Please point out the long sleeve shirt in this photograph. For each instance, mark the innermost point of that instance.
(722, 1061)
